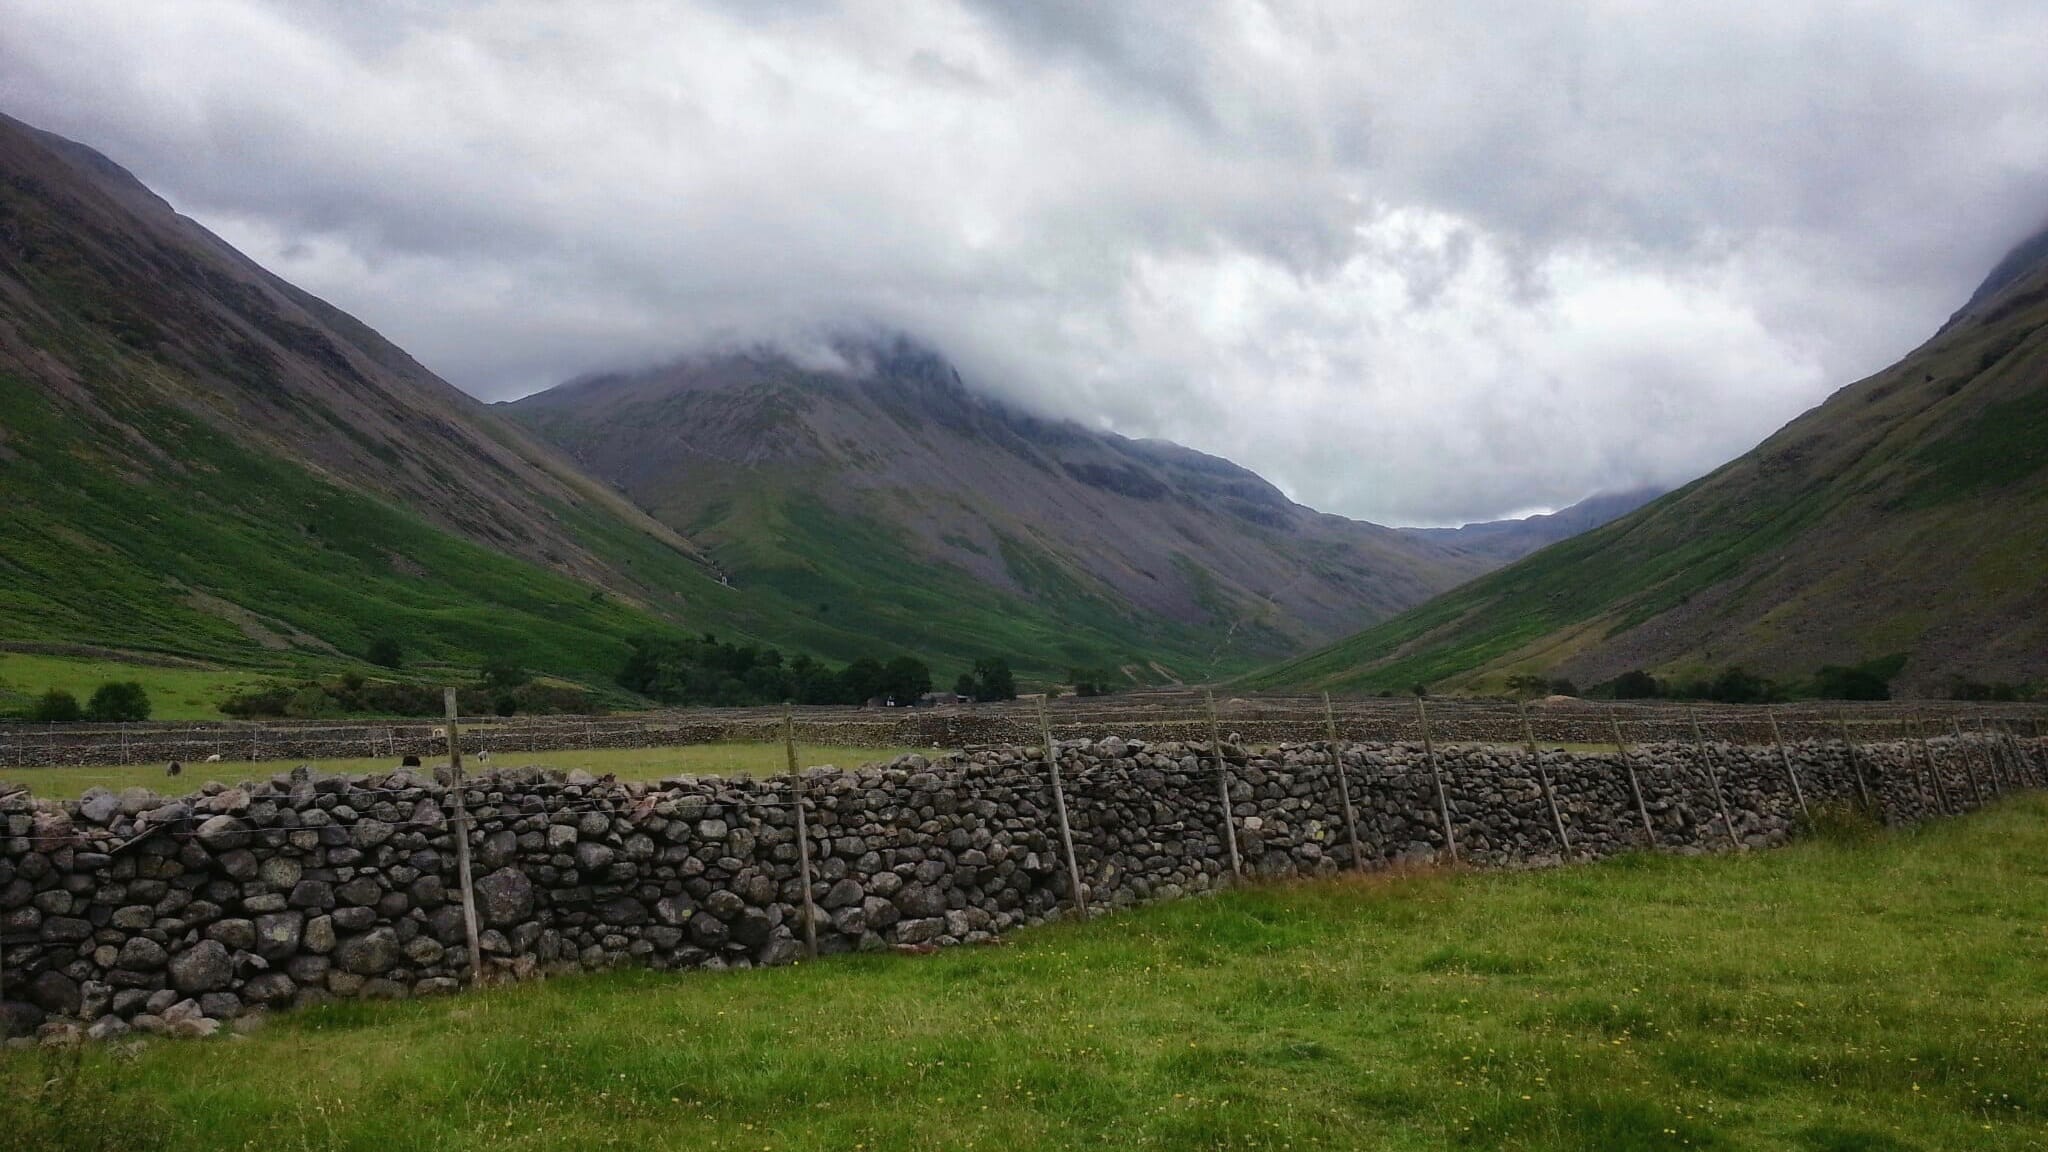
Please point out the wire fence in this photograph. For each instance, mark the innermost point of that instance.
(1259, 719)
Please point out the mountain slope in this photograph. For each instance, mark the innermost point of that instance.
(1502, 541)
(1904, 519)
(200, 459)
(956, 524)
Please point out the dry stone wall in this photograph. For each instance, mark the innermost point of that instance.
(135, 911)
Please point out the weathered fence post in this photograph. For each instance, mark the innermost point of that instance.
(1635, 787)
(1436, 776)
(1969, 758)
(1785, 757)
(2000, 765)
(1343, 784)
(1543, 775)
(462, 867)
(1856, 765)
(801, 793)
(1223, 786)
(1059, 804)
(2029, 771)
(1927, 757)
(1706, 762)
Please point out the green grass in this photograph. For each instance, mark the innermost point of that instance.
(1870, 992)
(175, 693)
(626, 763)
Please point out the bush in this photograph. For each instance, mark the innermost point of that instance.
(1091, 681)
(503, 674)
(387, 652)
(1835, 682)
(118, 701)
(57, 707)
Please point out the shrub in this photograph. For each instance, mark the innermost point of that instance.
(57, 707)
(1835, 682)
(117, 701)
(387, 652)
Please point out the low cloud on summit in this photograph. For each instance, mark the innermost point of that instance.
(1414, 262)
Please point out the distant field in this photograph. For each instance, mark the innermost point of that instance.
(1876, 993)
(626, 763)
(174, 693)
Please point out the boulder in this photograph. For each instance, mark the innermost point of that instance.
(204, 967)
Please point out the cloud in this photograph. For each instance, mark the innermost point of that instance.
(1417, 262)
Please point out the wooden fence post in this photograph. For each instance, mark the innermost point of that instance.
(1223, 787)
(2030, 771)
(1543, 775)
(1706, 762)
(1785, 758)
(1927, 757)
(1856, 765)
(1635, 787)
(1436, 776)
(462, 867)
(1969, 758)
(2001, 767)
(801, 792)
(1059, 803)
(1343, 784)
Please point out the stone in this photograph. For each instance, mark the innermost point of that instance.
(204, 967)
(312, 894)
(221, 833)
(370, 954)
(504, 897)
(278, 935)
(237, 935)
(592, 856)
(844, 893)
(319, 935)
(55, 993)
(99, 806)
(141, 954)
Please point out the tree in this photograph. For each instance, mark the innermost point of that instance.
(1637, 685)
(56, 707)
(1528, 684)
(906, 679)
(1739, 686)
(993, 679)
(387, 652)
(117, 701)
(965, 686)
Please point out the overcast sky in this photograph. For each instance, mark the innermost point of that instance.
(1414, 262)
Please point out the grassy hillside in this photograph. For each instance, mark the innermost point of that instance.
(1904, 520)
(1879, 994)
(244, 558)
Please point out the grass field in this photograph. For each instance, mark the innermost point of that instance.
(626, 763)
(175, 693)
(1868, 992)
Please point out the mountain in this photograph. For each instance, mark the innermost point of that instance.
(1501, 541)
(201, 460)
(1901, 524)
(951, 523)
